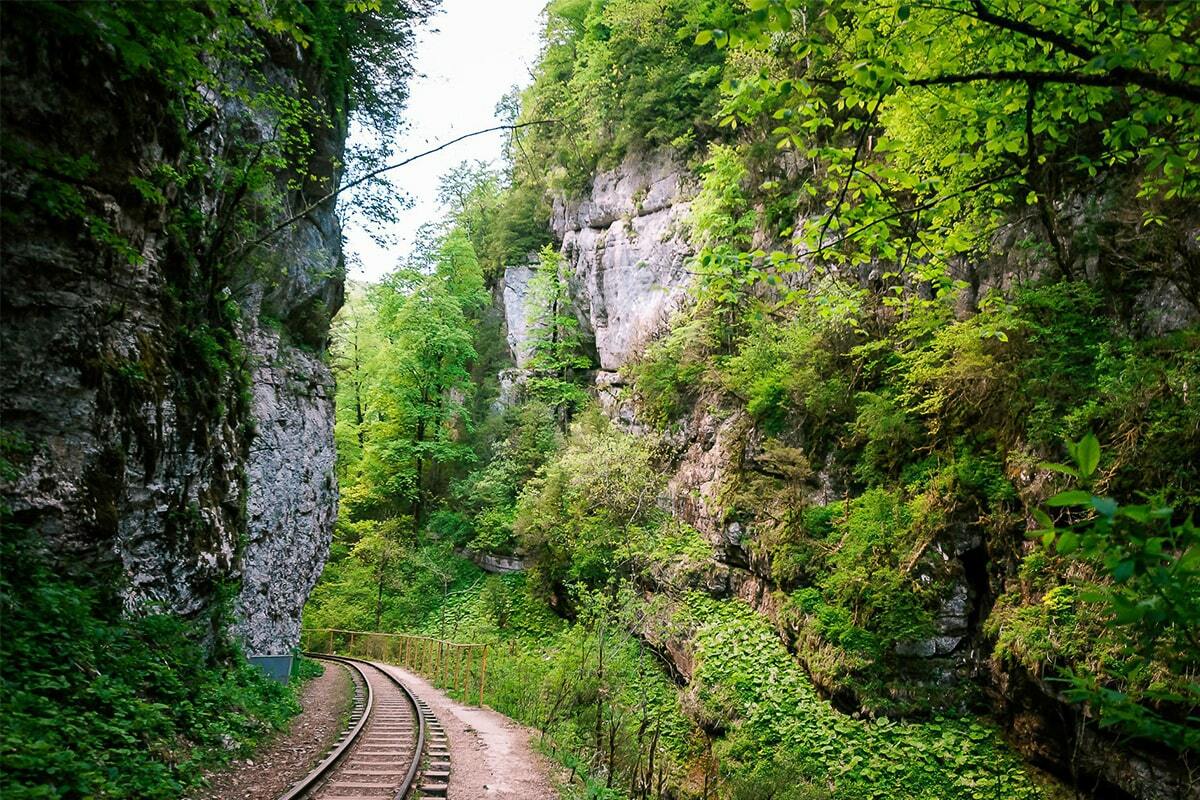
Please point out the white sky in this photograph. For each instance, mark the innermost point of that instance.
(467, 57)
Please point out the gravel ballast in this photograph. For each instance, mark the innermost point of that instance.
(325, 703)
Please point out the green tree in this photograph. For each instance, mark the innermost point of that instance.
(379, 547)
(557, 354)
(418, 383)
(928, 127)
(582, 512)
(422, 380)
(1146, 557)
(354, 337)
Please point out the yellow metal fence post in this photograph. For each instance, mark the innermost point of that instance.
(483, 675)
(458, 669)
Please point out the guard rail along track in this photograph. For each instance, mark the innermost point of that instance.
(394, 748)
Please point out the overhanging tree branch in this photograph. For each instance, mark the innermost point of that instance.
(898, 214)
(858, 149)
(1119, 75)
(1116, 78)
(1060, 41)
(375, 174)
(1032, 176)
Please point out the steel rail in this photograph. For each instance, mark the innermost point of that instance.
(313, 780)
(310, 781)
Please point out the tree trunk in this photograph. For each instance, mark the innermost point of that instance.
(379, 594)
(418, 500)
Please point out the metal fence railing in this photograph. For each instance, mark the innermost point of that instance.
(456, 666)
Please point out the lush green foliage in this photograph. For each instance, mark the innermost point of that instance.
(504, 220)
(745, 680)
(1144, 567)
(618, 76)
(486, 499)
(882, 390)
(926, 128)
(96, 705)
(403, 352)
(581, 513)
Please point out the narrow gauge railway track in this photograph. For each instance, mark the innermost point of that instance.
(394, 748)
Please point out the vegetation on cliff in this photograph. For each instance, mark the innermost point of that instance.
(148, 149)
(934, 247)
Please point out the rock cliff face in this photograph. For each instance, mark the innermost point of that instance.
(515, 298)
(292, 497)
(625, 254)
(172, 423)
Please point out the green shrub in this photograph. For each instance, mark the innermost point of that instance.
(452, 526)
(789, 377)
(887, 436)
(580, 516)
(96, 704)
(670, 373)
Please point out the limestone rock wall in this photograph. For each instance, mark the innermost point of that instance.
(292, 498)
(515, 299)
(626, 252)
(625, 256)
(165, 444)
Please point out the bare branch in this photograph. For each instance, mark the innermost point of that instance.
(375, 174)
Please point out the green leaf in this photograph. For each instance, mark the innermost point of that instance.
(1190, 559)
(1074, 497)
(1087, 454)
(1136, 513)
(1105, 506)
(704, 37)
(1126, 612)
(1063, 468)
(1123, 571)
(1068, 542)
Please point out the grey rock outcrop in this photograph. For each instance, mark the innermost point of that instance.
(169, 444)
(626, 254)
(517, 310)
(292, 498)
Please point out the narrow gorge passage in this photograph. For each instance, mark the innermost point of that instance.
(682, 399)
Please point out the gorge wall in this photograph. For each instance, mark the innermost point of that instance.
(170, 417)
(626, 256)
